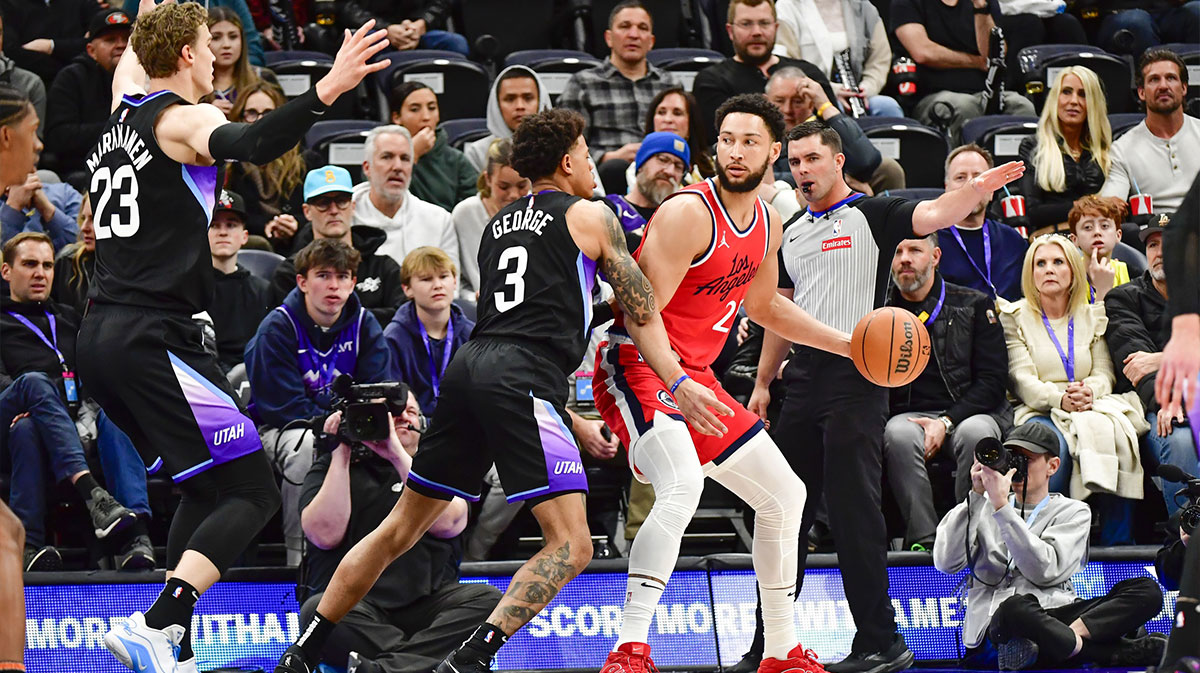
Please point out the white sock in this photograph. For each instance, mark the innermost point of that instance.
(779, 630)
(666, 456)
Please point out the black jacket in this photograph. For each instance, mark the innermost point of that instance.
(721, 81)
(969, 347)
(354, 13)
(64, 21)
(77, 109)
(378, 286)
(862, 158)
(1045, 208)
(21, 351)
(1137, 321)
(240, 301)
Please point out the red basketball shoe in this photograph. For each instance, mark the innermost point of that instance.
(630, 658)
(799, 660)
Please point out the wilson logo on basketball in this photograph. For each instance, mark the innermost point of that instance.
(905, 361)
(835, 243)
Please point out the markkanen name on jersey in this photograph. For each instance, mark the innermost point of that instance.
(124, 138)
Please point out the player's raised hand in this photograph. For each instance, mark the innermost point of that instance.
(352, 62)
(995, 178)
(701, 407)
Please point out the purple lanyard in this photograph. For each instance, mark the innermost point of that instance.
(434, 372)
(42, 335)
(986, 272)
(937, 309)
(1068, 357)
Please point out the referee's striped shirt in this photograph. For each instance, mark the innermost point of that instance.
(838, 261)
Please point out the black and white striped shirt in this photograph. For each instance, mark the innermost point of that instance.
(838, 261)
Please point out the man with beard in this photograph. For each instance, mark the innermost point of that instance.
(712, 246)
(751, 29)
(835, 260)
(958, 399)
(1159, 155)
(661, 161)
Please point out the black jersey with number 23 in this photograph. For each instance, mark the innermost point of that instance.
(535, 283)
(151, 214)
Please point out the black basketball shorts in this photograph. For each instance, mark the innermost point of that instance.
(501, 403)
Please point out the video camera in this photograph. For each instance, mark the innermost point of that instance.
(1189, 515)
(365, 408)
(990, 452)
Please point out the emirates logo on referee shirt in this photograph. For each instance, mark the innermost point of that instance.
(835, 243)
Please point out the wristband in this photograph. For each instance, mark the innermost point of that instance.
(983, 10)
(678, 382)
(821, 110)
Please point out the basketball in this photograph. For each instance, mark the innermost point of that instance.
(890, 347)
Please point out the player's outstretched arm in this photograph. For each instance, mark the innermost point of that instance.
(954, 206)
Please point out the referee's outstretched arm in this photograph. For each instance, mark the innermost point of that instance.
(954, 206)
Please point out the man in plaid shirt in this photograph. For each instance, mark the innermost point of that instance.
(614, 97)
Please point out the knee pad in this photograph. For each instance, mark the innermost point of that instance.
(666, 457)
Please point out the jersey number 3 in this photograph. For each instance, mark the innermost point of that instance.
(124, 219)
(515, 279)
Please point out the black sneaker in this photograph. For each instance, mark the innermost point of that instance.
(108, 515)
(452, 664)
(137, 555)
(360, 664)
(43, 560)
(1016, 654)
(1146, 650)
(896, 658)
(294, 661)
(749, 663)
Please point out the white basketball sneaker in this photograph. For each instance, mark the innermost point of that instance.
(143, 649)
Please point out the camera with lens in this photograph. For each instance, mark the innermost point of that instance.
(1189, 514)
(990, 452)
(365, 408)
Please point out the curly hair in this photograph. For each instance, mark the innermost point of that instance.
(1109, 207)
(159, 35)
(757, 105)
(542, 139)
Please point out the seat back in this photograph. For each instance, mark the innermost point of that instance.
(340, 143)
(1040, 65)
(261, 263)
(921, 150)
(296, 77)
(553, 66)
(1124, 121)
(462, 131)
(271, 58)
(684, 62)
(999, 134)
(1132, 257)
(462, 87)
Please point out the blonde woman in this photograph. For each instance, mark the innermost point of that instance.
(76, 263)
(1070, 155)
(1061, 373)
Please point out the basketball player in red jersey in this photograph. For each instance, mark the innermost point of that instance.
(710, 249)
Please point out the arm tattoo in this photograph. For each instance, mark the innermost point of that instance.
(632, 289)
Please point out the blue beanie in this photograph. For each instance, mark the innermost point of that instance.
(663, 141)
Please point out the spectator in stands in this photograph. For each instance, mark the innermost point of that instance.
(517, 93)
(1071, 152)
(800, 99)
(328, 208)
(1095, 227)
(979, 252)
(817, 30)
(677, 111)
(1133, 26)
(275, 191)
(1030, 543)
(21, 79)
(76, 264)
(40, 403)
(418, 612)
(1062, 376)
(959, 398)
(385, 201)
(441, 174)
(411, 24)
(250, 36)
(498, 185)
(661, 162)
(240, 299)
(50, 208)
(80, 99)
(427, 330)
(614, 97)
(44, 37)
(1032, 22)
(320, 331)
(752, 29)
(1138, 329)
(232, 73)
(1158, 157)
(948, 41)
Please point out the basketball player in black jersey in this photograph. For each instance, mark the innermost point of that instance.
(154, 177)
(503, 395)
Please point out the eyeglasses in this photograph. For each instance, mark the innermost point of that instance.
(251, 115)
(323, 202)
(749, 25)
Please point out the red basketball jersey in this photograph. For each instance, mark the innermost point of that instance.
(704, 307)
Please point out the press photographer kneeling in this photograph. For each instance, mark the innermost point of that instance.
(1022, 544)
(417, 612)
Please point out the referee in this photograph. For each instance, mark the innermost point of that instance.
(834, 263)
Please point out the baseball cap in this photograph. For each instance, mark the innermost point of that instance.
(108, 20)
(1154, 226)
(663, 141)
(231, 202)
(1035, 437)
(327, 179)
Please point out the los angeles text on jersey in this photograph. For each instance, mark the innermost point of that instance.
(527, 219)
(743, 272)
(124, 138)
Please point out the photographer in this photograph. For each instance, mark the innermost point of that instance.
(417, 612)
(319, 332)
(1022, 550)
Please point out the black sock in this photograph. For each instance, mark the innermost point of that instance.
(85, 484)
(185, 645)
(315, 635)
(483, 644)
(173, 606)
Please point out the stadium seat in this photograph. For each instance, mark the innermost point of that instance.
(999, 134)
(468, 308)
(460, 131)
(273, 57)
(494, 18)
(261, 263)
(1190, 53)
(685, 63)
(297, 76)
(553, 66)
(462, 87)
(916, 194)
(340, 143)
(1040, 64)
(921, 150)
(1132, 257)
(1121, 123)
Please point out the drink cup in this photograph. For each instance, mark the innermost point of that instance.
(1141, 204)
(1013, 206)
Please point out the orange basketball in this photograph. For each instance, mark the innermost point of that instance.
(890, 347)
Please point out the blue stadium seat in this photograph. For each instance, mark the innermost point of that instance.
(336, 141)
(1190, 53)
(460, 131)
(916, 194)
(1132, 257)
(685, 63)
(553, 66)
(999, 134)
(273, 57)
(1124, 121)
(921, 150)
(462, 87)
(1039, 66)
(260, 263)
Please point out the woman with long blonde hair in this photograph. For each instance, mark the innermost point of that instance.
(76, 263)
(1070, 155)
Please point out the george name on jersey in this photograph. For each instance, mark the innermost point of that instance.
(121, 137)
(527, 219)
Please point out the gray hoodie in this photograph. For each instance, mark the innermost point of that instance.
(476, 151)
(27, 83)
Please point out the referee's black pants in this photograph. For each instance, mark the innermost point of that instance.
(831, 432)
